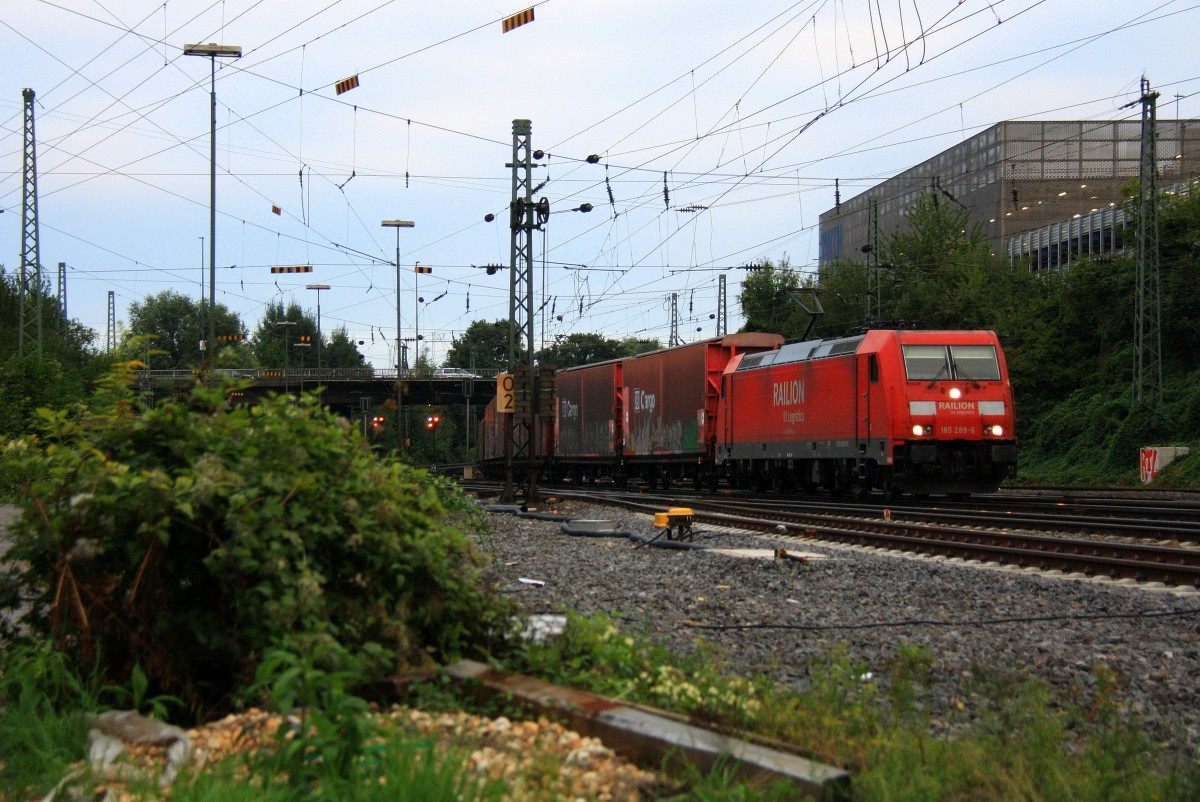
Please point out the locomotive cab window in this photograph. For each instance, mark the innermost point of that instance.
(944, 362)
(926, 362)
(975, 362)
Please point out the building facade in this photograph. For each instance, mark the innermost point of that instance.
(1018, 178)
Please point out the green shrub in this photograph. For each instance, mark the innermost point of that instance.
(194, 537)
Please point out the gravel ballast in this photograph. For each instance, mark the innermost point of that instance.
(974, 619)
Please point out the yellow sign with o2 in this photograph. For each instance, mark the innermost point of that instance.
(504, 393)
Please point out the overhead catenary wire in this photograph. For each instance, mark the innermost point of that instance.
(805, 129)
(617, 188)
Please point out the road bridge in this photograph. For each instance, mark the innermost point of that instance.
(341, 389)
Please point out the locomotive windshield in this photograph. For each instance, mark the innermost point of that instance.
(975, 362)
(964, 362)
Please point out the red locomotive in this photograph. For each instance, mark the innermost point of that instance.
(912, 411)
(915, 411)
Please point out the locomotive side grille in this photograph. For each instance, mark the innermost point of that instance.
(795, 352)
(753, 360)
(845, 346)
(828, 348)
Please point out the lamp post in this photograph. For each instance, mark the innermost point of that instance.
(303, 364)
(398, 224)
(202, 328)
(320, 337)
(285, 325)
(212, 52)
(417, 314)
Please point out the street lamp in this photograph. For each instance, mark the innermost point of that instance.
(417, 301)
(398, 224)
(417, 313)
(202, 327)
(285, 325)
(320, 337)
(212, 52)
(303, 365)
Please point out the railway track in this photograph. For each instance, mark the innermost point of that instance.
(1017, 537)
(1168, 522)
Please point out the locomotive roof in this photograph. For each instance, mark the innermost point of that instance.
(807, 350)
(740, 341)
(802, 351)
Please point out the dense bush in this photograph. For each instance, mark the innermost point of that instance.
(189, 539)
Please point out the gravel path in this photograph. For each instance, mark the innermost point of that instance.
(873, 603)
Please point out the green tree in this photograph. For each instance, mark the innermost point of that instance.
(632, 346)
(60, 376)
(1179, 258)
(165, 331)
(341, 351)
(774, 299)
(843, 299)
(482, 346)
(28, 383)
(273, 343)
(68, 340)
(579, 349)
(937, 233)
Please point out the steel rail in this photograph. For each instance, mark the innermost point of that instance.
(1114, 559)
(1133, 520)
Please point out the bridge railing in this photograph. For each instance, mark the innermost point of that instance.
(280, 376)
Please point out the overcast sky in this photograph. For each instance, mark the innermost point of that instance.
(721, 129)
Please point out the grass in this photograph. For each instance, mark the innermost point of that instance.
(42, 725)
(1009, 741)
(398, 768)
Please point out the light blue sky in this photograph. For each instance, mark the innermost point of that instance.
(751, 110)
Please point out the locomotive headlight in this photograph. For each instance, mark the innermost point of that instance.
(956, 393)
(918, 429)
(998, 430)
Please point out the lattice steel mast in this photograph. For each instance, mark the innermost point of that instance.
(62, 298)
(520, 437)
(873, 277)
(674, 340)
(722, 308)
(111, 343)
(1147, 379)
(30, 323)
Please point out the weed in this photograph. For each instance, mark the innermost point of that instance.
(1010, 741)
(331, 726)
(42, 723)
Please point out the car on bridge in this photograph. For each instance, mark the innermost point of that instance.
(454, 373)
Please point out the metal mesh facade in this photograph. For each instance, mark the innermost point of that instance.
(1018, 177)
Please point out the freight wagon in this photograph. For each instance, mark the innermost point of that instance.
(490, 443)
(670, 401)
